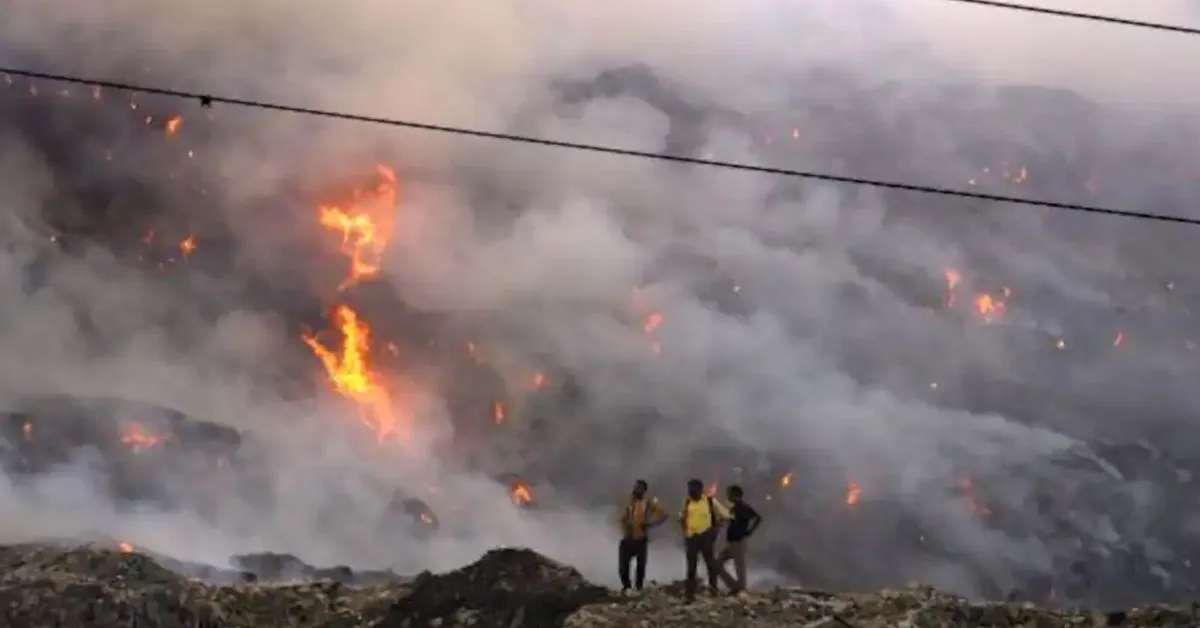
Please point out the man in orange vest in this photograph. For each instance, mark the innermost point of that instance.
(637, 517)
(701, 520)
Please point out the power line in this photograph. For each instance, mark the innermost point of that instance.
(207, 100)
(1107, 19)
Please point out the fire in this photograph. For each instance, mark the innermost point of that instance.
(711, 491)
(173, 124)
(365, 224)
(520, 493)
(126, 548)
(787, 479)
(350, 372)
(988, 307)
(138, 438)
(853, 493)
(538, 380)
(187, 246)
(499, 412)
(1119, 340)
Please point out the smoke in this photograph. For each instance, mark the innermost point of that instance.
(798, 321)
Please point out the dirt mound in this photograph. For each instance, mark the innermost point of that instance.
(104, 588)
(505, 588)
(90, 586)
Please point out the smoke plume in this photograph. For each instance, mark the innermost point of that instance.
(797, 327)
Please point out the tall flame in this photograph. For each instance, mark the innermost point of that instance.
(350, 372)
(365, 225)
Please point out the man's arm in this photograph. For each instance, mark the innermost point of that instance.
(755, 520)
(721, 510)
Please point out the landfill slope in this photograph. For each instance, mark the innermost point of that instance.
(49, 585)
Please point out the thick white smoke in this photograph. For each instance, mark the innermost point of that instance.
(538, 250)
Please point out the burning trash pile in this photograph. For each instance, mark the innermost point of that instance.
(47, 585)
(355, 351)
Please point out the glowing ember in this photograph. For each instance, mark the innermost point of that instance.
(187, 246)
(520, 493)
(138, 438)
(787, 479)
(365, 224)
(352, 377)
(853, 494)
(173, 124)
(988, 307)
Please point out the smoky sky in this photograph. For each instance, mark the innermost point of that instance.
(799, 320)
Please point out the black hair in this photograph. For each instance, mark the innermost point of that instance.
(695, 482)
(641, 484)
(735, 490)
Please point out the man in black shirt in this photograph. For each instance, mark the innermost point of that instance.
(744, 520)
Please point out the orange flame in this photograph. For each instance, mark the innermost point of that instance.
(350, 373)
(126, 548)
(787, 479)
(138, 438)
(187, 246)
(1119, 340)
(173, 124)
(853, 493)
(499, 412)
(711, 491)
(520, 493)
(365, 224)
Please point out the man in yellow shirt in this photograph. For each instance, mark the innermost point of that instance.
(701, 520)
(637, 517)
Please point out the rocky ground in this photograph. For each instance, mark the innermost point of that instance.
(94, 586)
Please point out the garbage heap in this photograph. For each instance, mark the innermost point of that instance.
(56, 585)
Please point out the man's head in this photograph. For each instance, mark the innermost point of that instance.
(640, 488)
(695, 488)
(734, 492)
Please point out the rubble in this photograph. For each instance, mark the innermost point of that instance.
(92, 586)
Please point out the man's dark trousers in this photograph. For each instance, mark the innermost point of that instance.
(701, 546)
(630, 550)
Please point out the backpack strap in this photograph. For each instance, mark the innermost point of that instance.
(712, 512)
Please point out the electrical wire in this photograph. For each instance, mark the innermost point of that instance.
(208, 100)
(1107, 19)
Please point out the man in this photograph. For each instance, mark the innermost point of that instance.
(637, 517)
(743, 521)
(701, 520)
